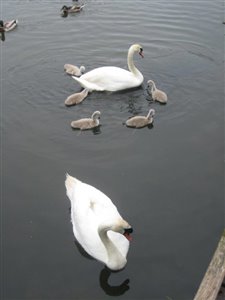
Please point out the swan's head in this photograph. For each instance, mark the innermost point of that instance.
(150, 83)
(96, 115)
(151, 113)
(124, 228)
(137, 48)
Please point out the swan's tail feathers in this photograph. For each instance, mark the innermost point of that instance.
(70, 183)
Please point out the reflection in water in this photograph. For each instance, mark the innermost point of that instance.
(115, 290)
(95, 130)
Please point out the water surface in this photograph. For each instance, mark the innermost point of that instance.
(166, 181)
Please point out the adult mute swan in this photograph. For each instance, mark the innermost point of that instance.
(97, 224)
(141, 121)
(157, 95)
(114, 78)
(87, 123)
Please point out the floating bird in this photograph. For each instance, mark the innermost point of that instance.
(74, 70)
(157, 95)
(10, 25)
(72, 9)
(141, 121)
(7, 26)
(76, 98)
(97, 224)
(114, 78)
(87, 123)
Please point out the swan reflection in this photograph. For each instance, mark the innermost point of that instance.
(115, 290)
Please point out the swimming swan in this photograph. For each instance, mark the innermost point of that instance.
(157, 95)
(97, 224)
(87, 123)
(141, 121)
(74, 70)
(76, 98)
(114, 78)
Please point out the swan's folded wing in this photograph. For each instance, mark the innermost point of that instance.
(108, 78)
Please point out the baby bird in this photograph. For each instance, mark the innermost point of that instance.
(141, 121)
(74, 70)
(87, 123)
(76, 98)
(157, 95)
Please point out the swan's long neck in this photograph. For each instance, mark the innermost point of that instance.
(115, 259)
(130, 62)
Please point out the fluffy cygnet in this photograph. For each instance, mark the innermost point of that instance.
(74, 70)
(157, 95)
(76, 98)
(141, 121)
(87, 123)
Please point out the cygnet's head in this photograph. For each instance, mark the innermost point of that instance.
(82, 69)
(151, 83)
(96, 115)
(151, 113)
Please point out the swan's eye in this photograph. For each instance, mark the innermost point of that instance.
(128, 230)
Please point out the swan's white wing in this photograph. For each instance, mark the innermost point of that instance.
(89, 208)
(108, 79)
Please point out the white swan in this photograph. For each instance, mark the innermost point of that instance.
(141, 121)
(157, 95)
(97, 224)
(87, 123)
(74, 70)
(114, 78)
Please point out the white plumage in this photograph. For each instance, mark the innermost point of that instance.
(97, 224)
(113, 78)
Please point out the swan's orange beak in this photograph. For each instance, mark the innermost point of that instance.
(127, 233)
(141, 53)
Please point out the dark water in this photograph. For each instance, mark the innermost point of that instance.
(166, 181)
